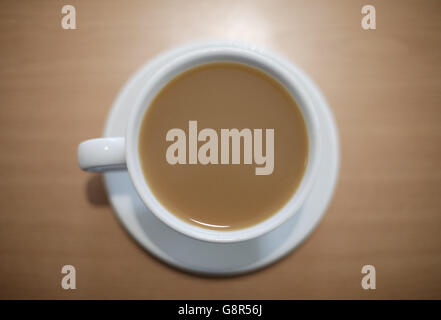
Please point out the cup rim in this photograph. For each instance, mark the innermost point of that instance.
(295, 87)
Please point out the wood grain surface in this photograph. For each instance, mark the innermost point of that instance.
(384, 86)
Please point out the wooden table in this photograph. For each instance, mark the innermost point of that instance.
(384, 86)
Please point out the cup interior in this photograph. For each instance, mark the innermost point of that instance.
(169, 71)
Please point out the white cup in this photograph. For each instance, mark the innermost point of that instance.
(121, 153)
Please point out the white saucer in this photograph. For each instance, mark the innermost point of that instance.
(207, 258)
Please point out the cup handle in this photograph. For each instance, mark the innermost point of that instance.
(102, 154)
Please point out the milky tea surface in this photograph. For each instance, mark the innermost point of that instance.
(205, 172)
